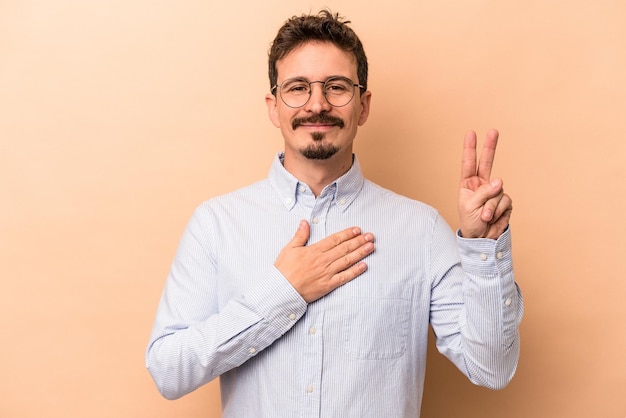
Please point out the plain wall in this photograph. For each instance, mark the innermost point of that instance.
(117, 118)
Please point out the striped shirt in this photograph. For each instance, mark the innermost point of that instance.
(360, 351)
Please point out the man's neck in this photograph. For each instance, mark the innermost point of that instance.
(317, 174)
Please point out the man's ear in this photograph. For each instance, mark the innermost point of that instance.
(272, 109)
(366, 98)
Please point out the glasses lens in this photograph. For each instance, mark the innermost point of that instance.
(295, 92)
(339, 91)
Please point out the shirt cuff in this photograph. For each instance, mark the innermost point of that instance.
(275, 299)
(484, 255)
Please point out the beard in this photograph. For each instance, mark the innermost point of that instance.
(319, 149)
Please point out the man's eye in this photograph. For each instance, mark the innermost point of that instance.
(298, 88)
(336, 88)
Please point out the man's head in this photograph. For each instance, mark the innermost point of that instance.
(323, 27)
(318, 97)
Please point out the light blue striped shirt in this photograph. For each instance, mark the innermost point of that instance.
(360, 351)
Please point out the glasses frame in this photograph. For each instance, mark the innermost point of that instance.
(279, 86)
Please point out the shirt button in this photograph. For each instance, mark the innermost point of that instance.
(499, 255)
(315, 220)
(508, 302)
(312, 330)
(483, 257)
(309, 389)
(252, 350)
(342, 202)
(292, 316)
(289, 201)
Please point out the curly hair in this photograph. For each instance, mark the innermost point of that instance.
(324, 27)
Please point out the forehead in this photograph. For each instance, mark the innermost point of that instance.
(316, 61)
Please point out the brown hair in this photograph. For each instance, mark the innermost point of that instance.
(323, 27)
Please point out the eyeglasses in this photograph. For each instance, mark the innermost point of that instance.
(296, 92)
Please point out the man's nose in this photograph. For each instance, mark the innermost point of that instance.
(317, 102)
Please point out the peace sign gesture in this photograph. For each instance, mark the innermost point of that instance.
(484, 208)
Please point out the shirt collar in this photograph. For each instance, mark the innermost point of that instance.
(346, 188)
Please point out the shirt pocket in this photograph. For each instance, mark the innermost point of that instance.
(376, 326)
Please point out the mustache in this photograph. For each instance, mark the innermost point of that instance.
(320, 118)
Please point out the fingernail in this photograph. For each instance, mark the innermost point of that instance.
(495, 183)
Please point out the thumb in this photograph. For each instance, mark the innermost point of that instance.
(301, 236)
(488, 191)
(491, 204)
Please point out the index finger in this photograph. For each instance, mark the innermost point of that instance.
(487, 155)
(337, 238)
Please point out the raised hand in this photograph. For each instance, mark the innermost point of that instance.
(484, 208)
(318, 269)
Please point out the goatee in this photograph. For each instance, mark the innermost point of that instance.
(319, 150)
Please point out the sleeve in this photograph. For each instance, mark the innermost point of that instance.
(476, 306)
(193, 341)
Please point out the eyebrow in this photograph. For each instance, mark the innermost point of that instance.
(300, 78)
(296, 79)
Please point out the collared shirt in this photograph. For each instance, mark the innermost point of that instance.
(359, 351)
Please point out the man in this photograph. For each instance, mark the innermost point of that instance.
(280, 289)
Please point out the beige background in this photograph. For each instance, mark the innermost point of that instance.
(118, 117)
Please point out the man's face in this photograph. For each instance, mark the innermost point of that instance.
(318, 130)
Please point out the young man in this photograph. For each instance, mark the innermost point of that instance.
(280, 289)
